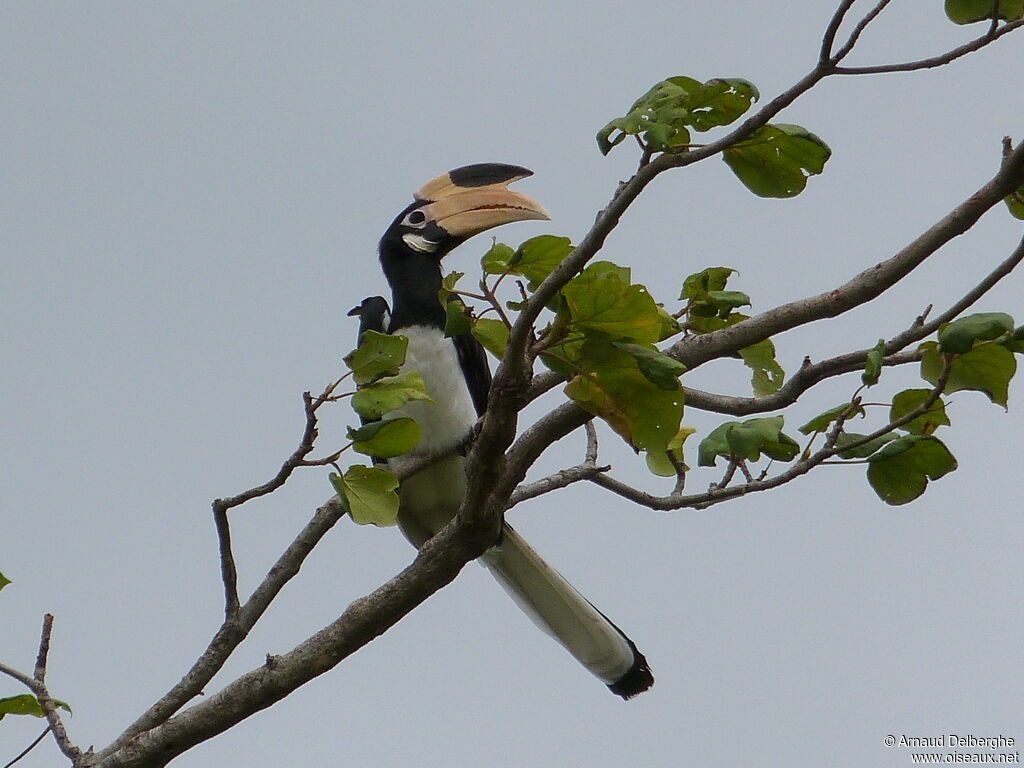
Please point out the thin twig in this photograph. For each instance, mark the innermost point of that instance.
(590, 457)
(558, 480)
(29, 748)
(935, 61)
(44, 647)
(829, 38)
(851, 42)
(717, 493)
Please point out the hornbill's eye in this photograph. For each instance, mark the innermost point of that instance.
(415, 219)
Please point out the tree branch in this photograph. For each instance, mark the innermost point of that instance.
(436, 565)
(718, 494)
(693, 351)
(29, 748)
(37, 684)
(993, 34)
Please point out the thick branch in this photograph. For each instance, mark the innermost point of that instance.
(437, 564)
(696, 350)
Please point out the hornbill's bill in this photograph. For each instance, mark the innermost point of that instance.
(447, 211)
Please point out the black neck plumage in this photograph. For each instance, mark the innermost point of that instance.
(415, 279)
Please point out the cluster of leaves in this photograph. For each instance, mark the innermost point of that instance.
(775, 160)
(975, 352)
(603, 338)
(606, 328)
(370, 493)
(710, 307)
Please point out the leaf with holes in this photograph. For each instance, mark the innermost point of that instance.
(776, 160)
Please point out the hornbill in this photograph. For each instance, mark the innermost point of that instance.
(446, 211)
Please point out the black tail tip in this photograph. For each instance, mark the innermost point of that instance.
(637, 680)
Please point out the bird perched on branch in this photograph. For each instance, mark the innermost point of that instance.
(446, 212)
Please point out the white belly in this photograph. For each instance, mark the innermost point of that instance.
(431, 498)
(450, 418)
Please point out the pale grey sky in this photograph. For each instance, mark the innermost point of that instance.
(192, 195)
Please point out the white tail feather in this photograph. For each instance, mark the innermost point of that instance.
(557, 608)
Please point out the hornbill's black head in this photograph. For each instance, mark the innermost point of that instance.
(445, 213)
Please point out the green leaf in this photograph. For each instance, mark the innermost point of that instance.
(26, 704)
(864, 450)
(960, 335)
(497, 260)
(698, 324)
(768, 374)
(971, 11)
(987, 368)
(1015, 202)
(1015, 341)
(386, 439)
(911, 399)
(821, 422)
(726, 301)
(900, 471)
(662, 370)
(493, 334)
(389, 393)
(745, 441)
(378, 354)
(538, 256)
(598, 300)
(448, 284)
(664, 114)
(658, 462)
(4, 581)
(873, 366)
(669, 325)
(610, 385)
(369, 494)
(700, 284)
(776, 160)
(456, 320)
(720, 102)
